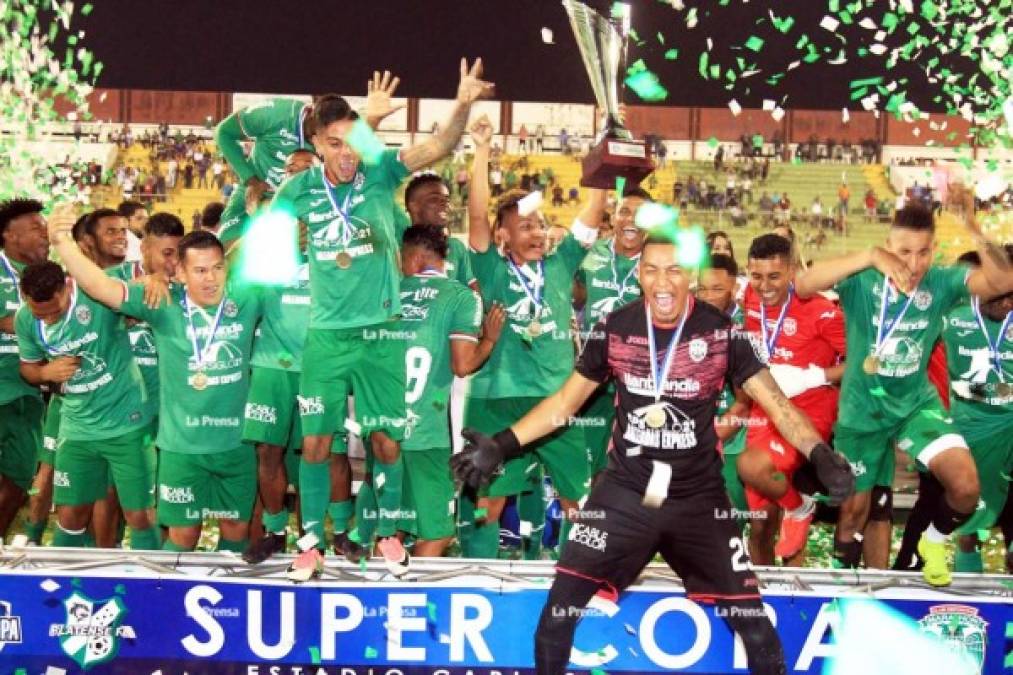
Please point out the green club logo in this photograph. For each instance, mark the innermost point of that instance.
(92, 630)
(958, 627)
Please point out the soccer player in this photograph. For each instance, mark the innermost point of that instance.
(204, 336)
(68, 338)
(535, 353)
(662, 492)
(716, 286)
(894, 300)
(979, 352)
(136, 215)
(606, 281)
(442, 318)
(103, 233)
(277, 127)
(23, 242)
(804, 341)
(348, 206)
(427, 200)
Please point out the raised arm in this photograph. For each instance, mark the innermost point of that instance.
(229, 137)
(995, 275)
(467, 357)
(479, 230)
(593, 210)
(470, 89)
(87, 274)
(831, 467)
(824, 274)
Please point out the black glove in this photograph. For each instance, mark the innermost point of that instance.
(483, 455)
(834, 472)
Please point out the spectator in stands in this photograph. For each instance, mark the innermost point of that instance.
(718, 241)
(735, 212)
(783, 212)
(870, 206)
(719, 158)
(816, 211)
(210, 217)
(188, 175)
(662, 152)
(218, 173)
(136, 216)
(843, 196)
(522, 139)
(692, 191)
(496, 180)
(202, 172)
(160, 191)
(557, 196)
(540, 137)
(564, 142)
(195, 221)
(172, 173)
(574, 196)
(730, 183)
(747, 190)
(510, 179)
(765, 170)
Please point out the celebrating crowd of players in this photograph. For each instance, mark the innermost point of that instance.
(180, 392)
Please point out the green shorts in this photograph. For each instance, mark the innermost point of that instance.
(427, 496)
(83, 470)
(923, 435)
(564, 454)
(994, 458)
(733, 484)
(50, 430)
(596, 418)
(220, 485)
(369, 362)
(20, 439)
(272, 411)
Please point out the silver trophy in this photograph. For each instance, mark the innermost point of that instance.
(602, 44)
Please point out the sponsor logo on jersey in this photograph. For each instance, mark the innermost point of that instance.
(61, 479)
(260, 412)
(959, 628)
(176, 495)
(91, 632)
(589, 536)
(678, 432)
(310, 405)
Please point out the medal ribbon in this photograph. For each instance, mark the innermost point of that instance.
(299, 127)
(535, 290)
(58, 331)
(889, 326)
(198, 353)
(993, 347)
(769, 342)
(343, 213)
(621, 288)
(658, 380)
(11, 272)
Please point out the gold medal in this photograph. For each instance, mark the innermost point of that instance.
(655, 416)
(870, 365)
(1004, 389)
(534, 329)
(199, 381)
(344, 260)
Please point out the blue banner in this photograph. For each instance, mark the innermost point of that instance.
(52, 624)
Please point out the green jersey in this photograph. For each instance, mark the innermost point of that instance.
(353, 224)
(203, 365)
(735, 444)
(142, 342)
(980, 407)
(434, 310)
(610, 279)
(533, 294)
(458, 262)
(276, 127)
(12, 386)
(106, 397)
(281, 336)
(901, 384)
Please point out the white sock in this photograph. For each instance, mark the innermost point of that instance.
(804, 510)
(934, 535)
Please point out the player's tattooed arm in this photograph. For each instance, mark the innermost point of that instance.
(470, 89)
(479, 229)
(825, 274)
(789, 420)
(90, 277)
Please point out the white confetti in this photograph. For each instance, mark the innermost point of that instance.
(867, 23)
(778, 113)
(734, 106)
(829, 23)
(845, 115)
(878, 49)
(547, 36)
(49, 586)
(769, 105)
(529, 204)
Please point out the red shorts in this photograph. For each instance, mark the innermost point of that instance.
(763, 435)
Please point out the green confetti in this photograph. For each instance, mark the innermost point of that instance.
(647, 86)
(365, 143)
(703, 64)
(878, 392)
(481, 513)
(672, 54)
(712, 142)
(598, 671)
(620, 188)
(784, 25)
(314, 655)
(370, 653)
(755, 43)
(86, 10)
(431, 607)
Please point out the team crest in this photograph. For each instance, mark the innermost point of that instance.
(359, 181)
(83, 315)
(959, 628)
(790, 326)
(922, 300)
(230, 310)
(697, 349)
(1009, 332)
(91, 632)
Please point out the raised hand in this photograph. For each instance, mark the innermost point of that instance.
(492, 325)
(893, 268)
(61, 369)
(60, 223)
(481, 132)
(378, 104)
(472, 87)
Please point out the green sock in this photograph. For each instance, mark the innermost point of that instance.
(34, 531)
(388, 480)
(365, 513)
(340, 513)
(275, 523)
(531, 509)
(564, 534)
(315, 494)
(144, 540)
(170, 545)
(465, 521)
(967, 562)
(62, 537)
(483, 542)
(231, 545)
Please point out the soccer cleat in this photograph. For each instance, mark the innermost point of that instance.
(264, 548)
(352, 551)
(308, 565)
(936, 570)
(394, 556)
(793, 537)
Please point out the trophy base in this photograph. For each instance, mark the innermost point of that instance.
(613, 158)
